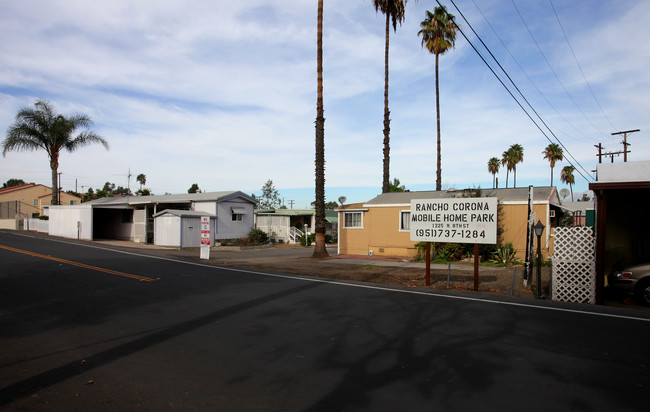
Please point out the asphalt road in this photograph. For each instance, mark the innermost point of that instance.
(83, 327)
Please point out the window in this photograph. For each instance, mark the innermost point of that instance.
(73, 202)
(353, 219)
(35, 202)
(404, 220)
(237, 213)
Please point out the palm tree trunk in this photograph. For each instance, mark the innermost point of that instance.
(514, 177)
(438, 159)
(571, 187)
(551, 176)
(507, 173)
(320, 249)
(54, 165)
(386, 172)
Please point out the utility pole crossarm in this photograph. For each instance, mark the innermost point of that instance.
(624, 142)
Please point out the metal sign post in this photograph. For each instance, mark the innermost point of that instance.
(462, 220)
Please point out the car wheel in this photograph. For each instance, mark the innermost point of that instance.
(642, 292)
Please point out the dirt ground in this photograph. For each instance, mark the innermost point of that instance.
(383, 270)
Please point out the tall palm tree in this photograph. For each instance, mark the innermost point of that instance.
(394, 11)
(507, 161)
(142, 179)
(438, 31)
(517, 157)
(320, 249)
(567, 177)
(553, 153)
(43, 128)
(493, 167)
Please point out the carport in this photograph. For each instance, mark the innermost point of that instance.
(621, 225)
(112, 222)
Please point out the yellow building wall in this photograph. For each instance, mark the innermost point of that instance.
(32, 199)
(26, 197)
(381, 235)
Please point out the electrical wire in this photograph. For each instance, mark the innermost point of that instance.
(553, 71)
(578, 64)
(510, 92)
(526, 74)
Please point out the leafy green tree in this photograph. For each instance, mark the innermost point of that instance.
(567, 177)
(143, 192)
(553, 153)
(331, 205)
(88, 196)
(395, 186)
(394, 11)
(194, 188)
(43, 128)
(13, 182)
(107, 191)
(122, 191)
(493, 167)
(438, 31)
(270, 198)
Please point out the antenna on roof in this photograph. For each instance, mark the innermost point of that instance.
(342, 199)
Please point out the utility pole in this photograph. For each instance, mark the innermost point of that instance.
(625, 143)
(291, 202)
(599, 146)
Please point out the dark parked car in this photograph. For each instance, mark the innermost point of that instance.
(634, 280)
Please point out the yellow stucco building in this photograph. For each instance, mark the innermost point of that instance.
(381, 225)
(29, 199)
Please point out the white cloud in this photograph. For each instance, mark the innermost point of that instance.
(223, 93)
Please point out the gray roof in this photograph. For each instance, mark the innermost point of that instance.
(519, 194)
(180, 198)
(581, 206)
(184, 213)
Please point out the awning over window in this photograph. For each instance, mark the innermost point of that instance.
(237, 210)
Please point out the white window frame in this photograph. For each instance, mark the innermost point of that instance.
(360, 213)
(401, 214)
(237, 217)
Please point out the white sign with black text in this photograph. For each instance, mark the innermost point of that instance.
(205, 237)
(462, 220)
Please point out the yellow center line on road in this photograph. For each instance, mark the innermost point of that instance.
(81, 265)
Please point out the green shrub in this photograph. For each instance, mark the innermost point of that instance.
(451, 252)
(257, 237)
(254, 238)
(505, 255)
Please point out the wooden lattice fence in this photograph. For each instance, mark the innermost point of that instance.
(574, 265)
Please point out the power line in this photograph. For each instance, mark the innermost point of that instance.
(578, 64)
(552, 70)
(526, 74)
(515, 86)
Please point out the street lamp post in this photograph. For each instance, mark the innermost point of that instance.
(539, 229)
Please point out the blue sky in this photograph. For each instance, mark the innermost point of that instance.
(223, 93)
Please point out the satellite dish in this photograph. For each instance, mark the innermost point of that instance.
(564, 193)
(342, 199)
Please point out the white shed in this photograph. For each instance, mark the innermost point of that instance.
(181, 228)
